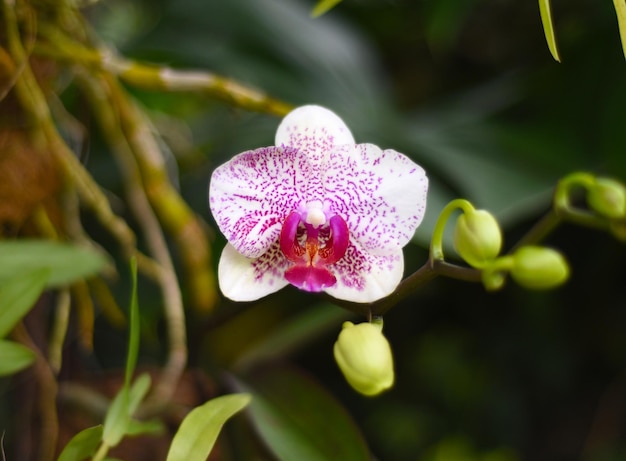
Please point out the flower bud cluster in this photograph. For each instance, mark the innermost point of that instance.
(478, 240)
(532, 266)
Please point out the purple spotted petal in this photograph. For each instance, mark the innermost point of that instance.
(313, 130)
(363, 277)
(246, 279)
(251, 195)
(380, 194)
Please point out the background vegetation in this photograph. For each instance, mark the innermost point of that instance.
(469, 90)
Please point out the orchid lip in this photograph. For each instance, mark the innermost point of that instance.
(312, 248)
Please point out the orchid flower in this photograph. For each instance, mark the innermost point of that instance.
(317, 211)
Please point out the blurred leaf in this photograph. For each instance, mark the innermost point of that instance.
(82, 445)
(297, 419)
(118, 418)
(198, 432)
(548, 28)
(323, 6)
(293, 333)
(18, 295)
(150, 427)
(137, 392)
(14, 357)
(66, 262)
(620, 10)
(444, 21)
(117, 421)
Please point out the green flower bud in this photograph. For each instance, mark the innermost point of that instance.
(608, 198)
(477, 237)
(539, 268)
(364, 357)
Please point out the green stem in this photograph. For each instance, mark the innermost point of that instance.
(429, 271)
(494, 275)
(564, 188)
(436, 244)
(542, 228)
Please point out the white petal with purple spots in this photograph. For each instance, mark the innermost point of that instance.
(380, 194)
(251, 195)
(246, 279)
(314, 130)
(363, 277)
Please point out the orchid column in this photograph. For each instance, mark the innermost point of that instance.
(316, 210)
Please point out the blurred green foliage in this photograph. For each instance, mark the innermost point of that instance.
(469, 90)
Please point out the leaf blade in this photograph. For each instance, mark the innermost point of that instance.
(548, 28)
(323, 6)
(14, 357)
(297, 419)
(66, 262)
(82, 445)
(18, 294)
(199, 430)
(620, 10)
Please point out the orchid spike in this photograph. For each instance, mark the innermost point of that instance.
(316, 210)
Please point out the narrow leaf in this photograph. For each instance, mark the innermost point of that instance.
(125, 403)
(294, 333)
(137, 392)
(198, 432)
(298, 419)
(14, 357)
(66, 262)
(18, 295)
(151, 427)
(548, 28)
(620, 9)
(83, 445)
(323, 6)
(118, 418)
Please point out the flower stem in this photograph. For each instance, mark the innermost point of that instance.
(436, 244)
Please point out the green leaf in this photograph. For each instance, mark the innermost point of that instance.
(18, 294)
(66, 262)
(198, 432)
(323, 6)
(83, 445)
(118, 418)
(297, 419)
(150, 427)
(137, 392)
(14, 357)
(548, 28)
(620, 10)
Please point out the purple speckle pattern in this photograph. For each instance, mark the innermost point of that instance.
(270, 266)
(381, 195)
(251, 195)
